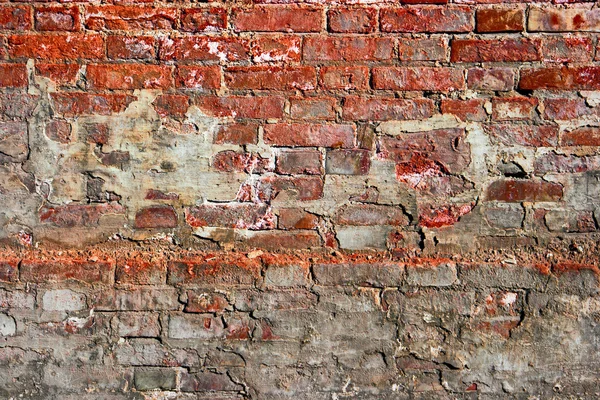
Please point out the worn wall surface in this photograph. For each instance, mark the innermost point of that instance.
(286, 199)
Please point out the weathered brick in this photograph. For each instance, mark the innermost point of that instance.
(275, 78)
(524, 190)
(288, 275)
(383, 109)
(465, 110)
(70, 104)
(565, 109)
(211, 270)
(500, 20)
(129, 76)
(560, 78)
(208, 382)
(59, 131)
(115, 17)
(347, 78)
(204, 48)
(155, 378)
(71, 215)
(426, 19)
(242, 106)
(276, 48)
(61, 74)
(370, 214)
(60, 270)
(277, 19)
(423, 78)
(309, 135)
(9, 271)
(135, 299)
(348, 162)
(437, 216)
(63, 300)
(502, 79)
(196, 326)
(347, 48)
(300, 161)
(563, 20)
(234, 215)
(206, 302)
(148, 270)
(57, 18)
(277, 240)
(349, 274)
(426, 49)
(567, 49)
(121, 47)
(213, 19)
(513, 108)
(13, 75)
(353, 20)
(303, 188)
(313, 108)
(15, 18)
(74, 46)
(297, 218)
(171, 105)
(585, 136)
(431, 274)
(13, 141)
(156, 217)
(237, 134)
(501, 50)
(524, 135)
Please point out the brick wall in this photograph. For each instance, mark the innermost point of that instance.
(369, 199)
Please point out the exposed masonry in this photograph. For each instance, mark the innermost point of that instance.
(366, 199)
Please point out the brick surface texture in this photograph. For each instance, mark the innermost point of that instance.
(299, 199)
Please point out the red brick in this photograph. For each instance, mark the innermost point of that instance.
(70, 104)
(506, 50)
(15, 18)
(211, 269)
(57, 18)
(9, 269)
(277, 78)
(71, 215)
(198, 77)
(524, 135)
(232, 215)
(277, 19)
(297, 218)
(213, 19)
(563, 20)
(370, 214)
(561, 78)
(347, 78)
(567, 49)
(62, 74)
(130, 47)
(13, 75)
(240, 134)
(502, 79)
(433, 216)
(203, 302)
(313, 108)
(155, 194)
(353, 20)
(422, 78)
(242, 106)
(383, 109)
(147, 269)
(522, 190)
(565, 109)
(129, 76)
(561, 163)
(300, 161)
(277, 240)
(73, 46)
(447, 148)
(66, 269)
(232, 161)
(156, 217)
(427, 19)
(60, 131)
(204, 48)
(276, 48)
(130, 17)
(584, 136)
(347, 48)
(309, 135)
(302, 188)
(500, 20)
(513, 108)
(422, 49)
(348, 162)
(171, 105)
(465, 110)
